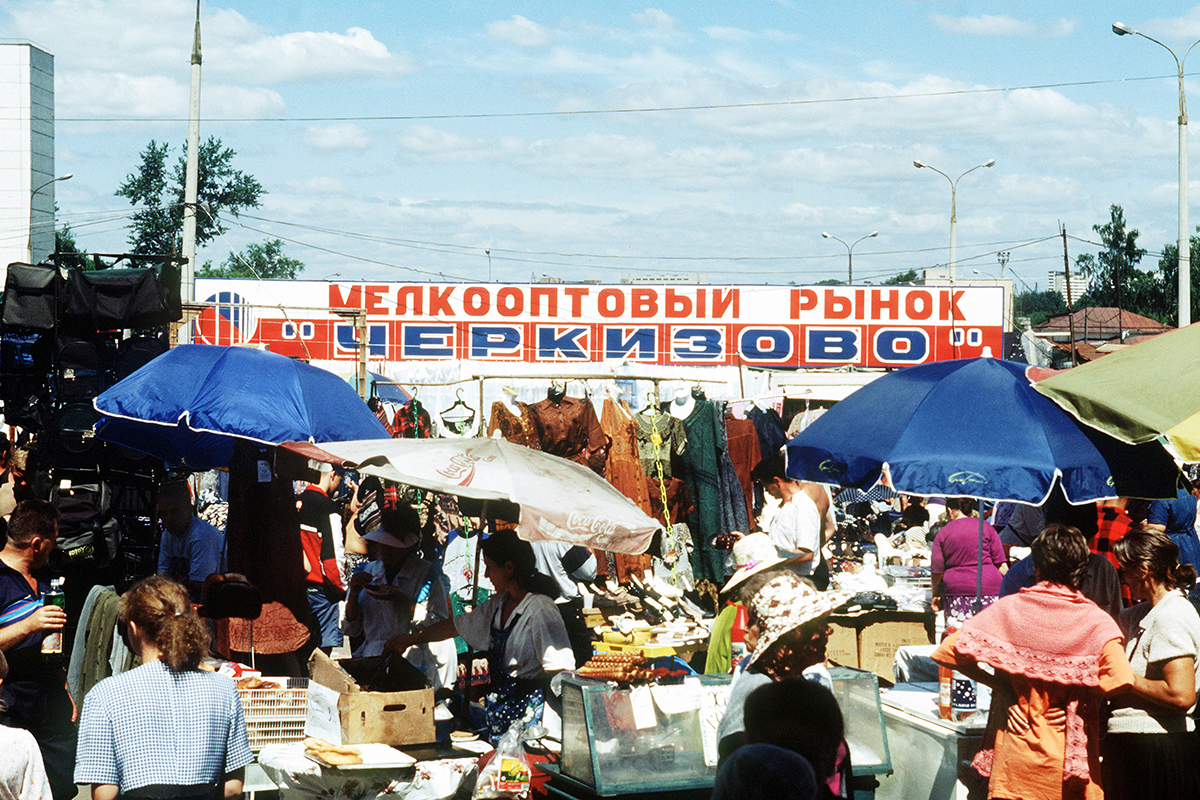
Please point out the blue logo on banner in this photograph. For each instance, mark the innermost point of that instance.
(428, 341)
(561, 343)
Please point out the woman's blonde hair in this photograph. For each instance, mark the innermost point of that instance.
(163, 612)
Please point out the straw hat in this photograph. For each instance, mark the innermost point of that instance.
(786, 603)
(753, 553)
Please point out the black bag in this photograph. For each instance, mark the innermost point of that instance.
(84, 367)
(86, 527)
(30, 297)
(114, 299)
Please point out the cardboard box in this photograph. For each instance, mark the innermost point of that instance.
(878, 643)
(843, 645)
(341, 712)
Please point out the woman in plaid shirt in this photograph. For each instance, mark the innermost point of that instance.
(166, 729)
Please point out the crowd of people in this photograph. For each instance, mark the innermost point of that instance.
(1090, 645)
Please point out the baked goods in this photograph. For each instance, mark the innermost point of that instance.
(621, 667)
(334, 754)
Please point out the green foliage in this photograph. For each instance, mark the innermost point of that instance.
(903, 277)
(68, 251)
(1168, 268)
(157, 227)
(1116, 280)
(830, 282)
(1038, 306)
(265, 261)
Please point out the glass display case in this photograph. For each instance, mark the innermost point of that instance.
(857, 693)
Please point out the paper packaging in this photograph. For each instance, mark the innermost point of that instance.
(339, 711)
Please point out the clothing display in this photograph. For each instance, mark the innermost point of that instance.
(735, 508)
(744, 454)
(570, 429)
(153, 725)
(772, 436)
(514, 427)
(623, 469)
(658, 457)
(703, 461)
(412, 421)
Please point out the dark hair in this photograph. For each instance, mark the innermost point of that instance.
(400, 519)
(799, 715)
(772, 467)
(32, 519)
(504, 547)
(1159, 553)
(175, 490)
(163, 612)
(963, 504)
(1060, 555)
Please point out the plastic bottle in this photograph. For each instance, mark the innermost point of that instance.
(52, 644)
(737, 636)
(945, 686)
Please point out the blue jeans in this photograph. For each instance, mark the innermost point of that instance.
(324, 624)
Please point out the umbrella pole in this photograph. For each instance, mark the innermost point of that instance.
(979, 564)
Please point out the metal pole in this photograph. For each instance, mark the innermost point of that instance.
(953, 228)
(191, 189)
(1185, 244)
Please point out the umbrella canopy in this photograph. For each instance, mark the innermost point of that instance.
(188, 405)
(559, 500)
(1148, 390)
(383, 387)
(853, 494)
(972, 428)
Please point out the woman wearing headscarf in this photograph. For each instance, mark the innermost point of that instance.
(166, 729)
(1151, 749)
(521, 630)
(1051, 649)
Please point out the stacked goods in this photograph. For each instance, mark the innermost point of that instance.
(274, 708)
(620, 667)
(334, 754)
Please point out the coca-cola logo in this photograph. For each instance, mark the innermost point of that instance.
(461, 467)
(598, 526)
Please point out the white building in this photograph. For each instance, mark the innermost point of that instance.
(1058, 283)
(26, 154)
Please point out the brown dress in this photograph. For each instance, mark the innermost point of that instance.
(744, 453)
(516, 429)
(623, 469)
(569, 429)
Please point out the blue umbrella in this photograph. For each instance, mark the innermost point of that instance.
(188, 405)
(972, 428)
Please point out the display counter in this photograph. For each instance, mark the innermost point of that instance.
(935, 753)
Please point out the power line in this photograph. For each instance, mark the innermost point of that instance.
(645, 110)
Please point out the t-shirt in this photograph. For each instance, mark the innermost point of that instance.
(538, 639)
(197, 554)
(317, 536)
(955, 554)
(1153, 634)
(28, 675)
(796, 527)
(22, 774)
(1178, 515)
(152, 725)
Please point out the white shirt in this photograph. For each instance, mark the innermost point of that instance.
(796, 527)
(548, 557)
(538, 639)
(22, 775)
(379, 619)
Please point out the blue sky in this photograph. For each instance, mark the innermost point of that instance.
(402, 141)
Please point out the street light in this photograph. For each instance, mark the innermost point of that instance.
(850, 251)
(32, 195)
(1185, 255)
(953, 203)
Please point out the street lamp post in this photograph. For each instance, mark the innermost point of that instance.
(1185, 255)
(32, 195)
(953, 204)
(850, 251)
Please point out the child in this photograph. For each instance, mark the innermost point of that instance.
(802, 716)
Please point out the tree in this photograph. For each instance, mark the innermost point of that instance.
(265, 261)
(157, 227)
(1116, 280)
(904, 277)
(68, 251)
(1168, 268)
(1038, 306)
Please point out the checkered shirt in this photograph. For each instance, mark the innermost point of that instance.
(154, 726)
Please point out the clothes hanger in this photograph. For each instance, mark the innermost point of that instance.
(459, 413)
(698, 392)
(556, 392)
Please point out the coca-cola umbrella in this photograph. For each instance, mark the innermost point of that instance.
(559, 500)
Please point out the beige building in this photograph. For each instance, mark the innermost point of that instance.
(26, 154)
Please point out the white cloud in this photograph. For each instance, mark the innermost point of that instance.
(317, 186)
(309, 56)
(655, 18)
(1001, 25)
(742, 35)
(341, 136)
(519, 31)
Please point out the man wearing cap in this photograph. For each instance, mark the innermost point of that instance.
(398, 593)
(321, 541)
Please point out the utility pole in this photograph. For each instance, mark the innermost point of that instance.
(1070, 313)
(191, 186)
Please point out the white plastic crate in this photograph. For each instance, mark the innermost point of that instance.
(275, 716)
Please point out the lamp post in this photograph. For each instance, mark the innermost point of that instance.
(1185, 255)
(32, 196)
(953, 203)
(850, 251)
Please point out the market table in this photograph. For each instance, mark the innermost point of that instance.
(435, 776)
(935, 753)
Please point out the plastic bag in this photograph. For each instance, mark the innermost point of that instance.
(507, 775)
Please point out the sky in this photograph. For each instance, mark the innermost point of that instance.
(592, 141)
